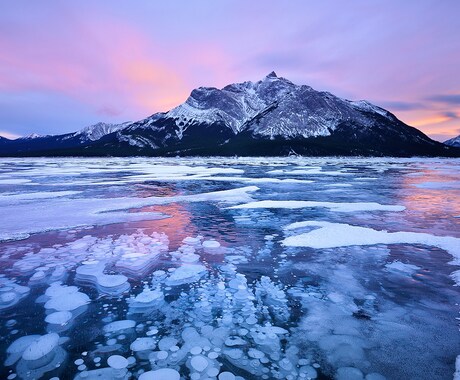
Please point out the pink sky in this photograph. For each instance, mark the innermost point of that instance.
(65, 65)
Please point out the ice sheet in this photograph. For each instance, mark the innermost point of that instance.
(212, 292)
(55, 214)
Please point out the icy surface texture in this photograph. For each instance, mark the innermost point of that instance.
(229, 269)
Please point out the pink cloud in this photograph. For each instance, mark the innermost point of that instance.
(126, 74)
(9, 135)
(128, 62)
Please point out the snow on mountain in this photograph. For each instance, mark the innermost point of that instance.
(272, 116)
(99, 130)
(233, 105)
(369, 107)
(271, 107)
(31, 136)
(455, 141)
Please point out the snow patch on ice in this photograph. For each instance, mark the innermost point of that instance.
(332, 235)
(398, 266)
(338, 207)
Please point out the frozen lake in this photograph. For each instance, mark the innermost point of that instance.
(226, 268)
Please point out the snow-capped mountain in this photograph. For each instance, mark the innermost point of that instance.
(31, 136)
(288, 110)
(96, 131)
(455, 141)
(272, 116)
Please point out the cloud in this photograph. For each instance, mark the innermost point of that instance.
(401, 105)
(441, 136)
(451, 115)
(431, 120)
(116, 62)
(451, 99)
(9, 135)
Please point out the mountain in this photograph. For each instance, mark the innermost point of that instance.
(269, 117)
(97, 131)
(31, 136)
(453, 142)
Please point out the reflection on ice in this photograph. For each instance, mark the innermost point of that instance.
(56, 214)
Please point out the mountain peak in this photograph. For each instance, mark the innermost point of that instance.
(272, 116)
(30, 137)
(96, 131)
(455, 141)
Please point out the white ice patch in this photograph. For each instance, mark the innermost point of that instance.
(399, 267)
(445, 185)
(338, 207)
(332, 235)
(14, 181)
(309, 171)
(457, 368)
(6, 199)
(338, 185)
(256, 180)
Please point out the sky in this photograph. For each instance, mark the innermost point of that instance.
(68, 64)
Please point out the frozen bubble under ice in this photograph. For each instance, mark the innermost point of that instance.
(199, 363)
(166, 343)
(117, 362)
(142, 344)
(211, 244)
(67, 302)
(41, 347)
(226, 376)
(349, 373)
(161, 374)
(116, 326)
(59, 317)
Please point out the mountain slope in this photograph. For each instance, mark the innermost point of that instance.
(272, 116)
(455, 141)
(37, 145)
